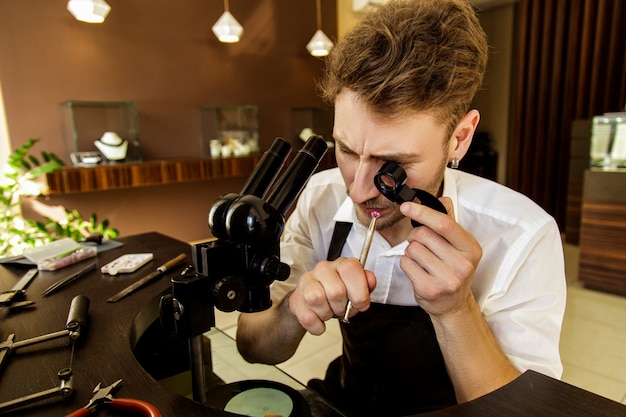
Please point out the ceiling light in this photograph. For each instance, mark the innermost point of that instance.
(319, 45)
(90, 11)
(227, 28)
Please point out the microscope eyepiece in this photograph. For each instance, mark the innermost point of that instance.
(294, 179)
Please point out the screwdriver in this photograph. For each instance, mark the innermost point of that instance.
(363, 257)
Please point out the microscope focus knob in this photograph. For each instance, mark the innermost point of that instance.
(228, 293)
(277, 270)
(271, 268)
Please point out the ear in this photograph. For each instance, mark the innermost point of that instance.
(463, 134)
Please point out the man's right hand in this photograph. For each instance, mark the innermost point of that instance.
(323, 293)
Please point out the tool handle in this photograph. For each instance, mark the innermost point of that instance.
(29, 399)
(137, 406)
(81, 412)
(79, 311)
(172, 262)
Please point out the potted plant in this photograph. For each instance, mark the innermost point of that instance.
(20, 179)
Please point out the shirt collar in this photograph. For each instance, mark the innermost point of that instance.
(345, 212)
(450, 191)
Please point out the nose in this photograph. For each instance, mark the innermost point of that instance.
(363, 187)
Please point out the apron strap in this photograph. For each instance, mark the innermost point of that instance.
(391, 363)
(340, 234)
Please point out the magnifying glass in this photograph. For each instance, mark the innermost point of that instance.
(391, 182)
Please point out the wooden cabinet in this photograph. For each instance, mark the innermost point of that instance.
(603, 232)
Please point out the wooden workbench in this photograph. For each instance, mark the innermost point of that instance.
(104, 352)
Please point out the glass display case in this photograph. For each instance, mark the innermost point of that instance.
(608, 141)
(101, 132)
(229, 130)
(306, 121)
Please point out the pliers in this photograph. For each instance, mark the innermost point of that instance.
(104, 396)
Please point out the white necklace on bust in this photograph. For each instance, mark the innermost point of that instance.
(112, 146)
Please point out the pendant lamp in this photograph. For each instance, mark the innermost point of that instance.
(90, 11)
(227, 28)
(319, 45)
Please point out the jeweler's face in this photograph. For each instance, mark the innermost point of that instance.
(364, 142)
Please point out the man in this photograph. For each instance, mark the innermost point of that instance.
(444, 312)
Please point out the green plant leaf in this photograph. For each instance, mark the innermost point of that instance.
(33, 160)
(27, 168)
(44, 169)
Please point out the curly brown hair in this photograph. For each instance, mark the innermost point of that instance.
(412, 55)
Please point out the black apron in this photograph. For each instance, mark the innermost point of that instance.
(391, 363)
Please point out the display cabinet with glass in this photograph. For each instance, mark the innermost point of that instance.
(608, 141)
(101, 132)
(307, 121)
(229, 130)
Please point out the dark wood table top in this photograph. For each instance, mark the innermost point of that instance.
(536, 395)
(103, 353)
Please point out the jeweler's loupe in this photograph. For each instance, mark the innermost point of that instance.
(391, 182)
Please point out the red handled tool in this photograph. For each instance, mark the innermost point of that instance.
(105, 396)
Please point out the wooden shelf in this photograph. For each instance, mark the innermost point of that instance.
(70, 180)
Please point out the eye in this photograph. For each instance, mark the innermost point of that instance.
(345, 150)
(395, 161)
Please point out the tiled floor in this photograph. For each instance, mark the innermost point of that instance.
(593, 339)
(593, 342)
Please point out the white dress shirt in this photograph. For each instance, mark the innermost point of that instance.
(519, 284)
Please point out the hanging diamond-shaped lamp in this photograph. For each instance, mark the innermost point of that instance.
(90, 11)
(319, 45)
(227, 28)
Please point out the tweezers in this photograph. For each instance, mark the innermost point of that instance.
(68, 280)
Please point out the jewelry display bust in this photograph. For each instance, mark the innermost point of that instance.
(112, 146)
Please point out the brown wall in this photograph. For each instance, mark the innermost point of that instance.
(163, 56)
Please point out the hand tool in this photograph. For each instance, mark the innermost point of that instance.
(105, 396)
(365, 250)
(77, 318)
(64, 390)
(17, 291)
(14, 307)
(148, 278)
(76, 321)
(68, 279)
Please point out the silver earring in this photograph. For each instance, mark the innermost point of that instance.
(454, 164)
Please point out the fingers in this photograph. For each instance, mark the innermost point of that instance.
(442, 225)
(323, 292)
(358, 283)
(441, 258)
(307, 318)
